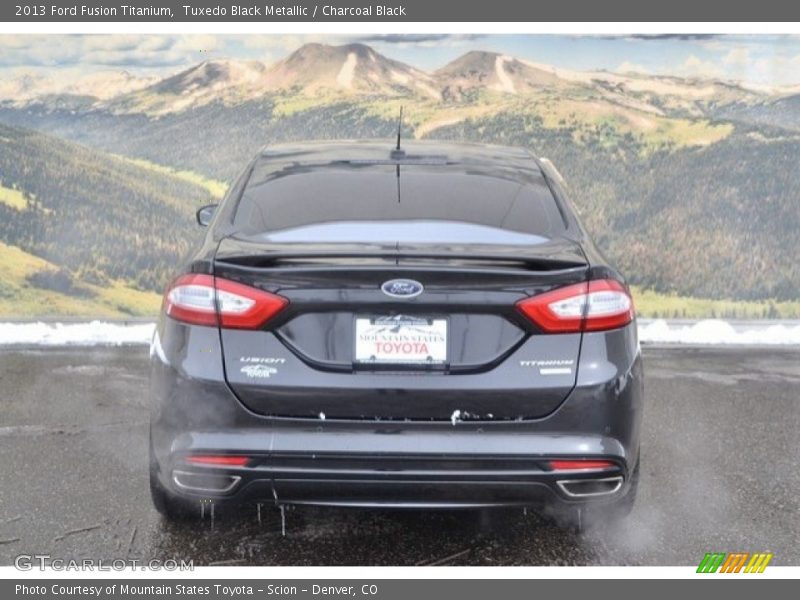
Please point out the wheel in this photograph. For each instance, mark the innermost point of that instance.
(624, 506)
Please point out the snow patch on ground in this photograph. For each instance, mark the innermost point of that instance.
(659, 331)
(717, 331)
(75, 334)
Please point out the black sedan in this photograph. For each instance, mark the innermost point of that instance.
(427, 327)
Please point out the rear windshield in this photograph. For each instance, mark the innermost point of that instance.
(351, 202)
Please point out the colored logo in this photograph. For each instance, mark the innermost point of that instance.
(402, 288)
(734, 562)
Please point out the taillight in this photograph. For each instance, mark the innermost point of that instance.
(202, 299)
(581, 465)
(590, 306)
(221, 460)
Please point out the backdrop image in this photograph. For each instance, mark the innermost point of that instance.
(680, 151)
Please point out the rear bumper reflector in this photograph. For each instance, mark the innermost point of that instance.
(581, 465)
(218, 460)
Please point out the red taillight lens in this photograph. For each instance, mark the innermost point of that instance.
(221, 460)
(202, 299)
(190, 299)
(591, 306)
(581, 465)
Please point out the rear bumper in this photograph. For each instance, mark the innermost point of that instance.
(393, 463)
(390, 466)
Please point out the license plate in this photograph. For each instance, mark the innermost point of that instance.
(401, 340)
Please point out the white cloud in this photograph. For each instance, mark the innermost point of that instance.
(713, 45)
(778, 69)
(739, 56)
(629, 67)
(697, 67)
(199, 43)
(287, 42)
(98, 51)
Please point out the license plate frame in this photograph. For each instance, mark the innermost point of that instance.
(407, 346)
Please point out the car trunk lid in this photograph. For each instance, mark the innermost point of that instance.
(480, 355)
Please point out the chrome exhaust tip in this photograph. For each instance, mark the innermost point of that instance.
(205, 483)
(585, 488)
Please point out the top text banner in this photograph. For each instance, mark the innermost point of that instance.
(398, 11)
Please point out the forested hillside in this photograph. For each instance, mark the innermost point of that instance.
(715, 222)
(691, 187)
(712, 221)
(100, 219)
(214, 139)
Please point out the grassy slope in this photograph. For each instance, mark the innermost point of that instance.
(97, 216)
(18, 298)
(652, 304)
(13, 198)
(215, 187)
(589, 119)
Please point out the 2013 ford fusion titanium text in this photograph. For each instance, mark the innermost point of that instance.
(425, 327)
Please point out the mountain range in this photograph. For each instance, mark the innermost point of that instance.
(357, 70)
(689, 185)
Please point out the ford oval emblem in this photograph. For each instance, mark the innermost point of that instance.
(402, 288)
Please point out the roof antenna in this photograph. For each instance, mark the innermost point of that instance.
(398, 152)
(397, 166)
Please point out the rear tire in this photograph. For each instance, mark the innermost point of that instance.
(624, 506)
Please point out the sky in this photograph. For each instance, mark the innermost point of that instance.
(757, 59)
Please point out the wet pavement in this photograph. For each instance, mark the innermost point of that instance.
(720, 472)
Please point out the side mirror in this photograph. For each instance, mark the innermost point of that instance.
(205, 214)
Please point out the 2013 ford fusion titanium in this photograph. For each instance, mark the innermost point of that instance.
(425, 327)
